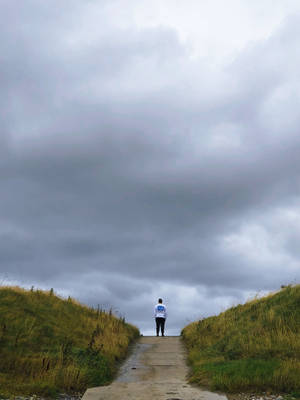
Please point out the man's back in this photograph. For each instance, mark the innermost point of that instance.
(160, 311)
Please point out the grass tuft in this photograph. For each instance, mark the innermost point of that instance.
(251, 347)
(50, 345)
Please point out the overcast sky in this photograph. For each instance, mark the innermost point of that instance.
(150, 149)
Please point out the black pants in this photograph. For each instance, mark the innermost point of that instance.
(160, 324)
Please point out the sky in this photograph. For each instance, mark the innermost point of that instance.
(150, 149)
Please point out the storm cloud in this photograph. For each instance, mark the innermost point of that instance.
(139, 159)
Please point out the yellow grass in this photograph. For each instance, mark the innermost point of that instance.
(49, 344)
(255, 346)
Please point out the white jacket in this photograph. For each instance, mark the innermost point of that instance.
(160, 311)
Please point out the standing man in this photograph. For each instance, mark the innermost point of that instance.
(160, 315)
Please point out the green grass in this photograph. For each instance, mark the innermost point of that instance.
(50, 345)
(251, 347)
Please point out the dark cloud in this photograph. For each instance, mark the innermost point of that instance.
(130, 171)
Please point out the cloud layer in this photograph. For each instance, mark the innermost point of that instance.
(132, 167)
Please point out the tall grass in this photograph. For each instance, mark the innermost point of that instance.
(255, 346)
(48, 344)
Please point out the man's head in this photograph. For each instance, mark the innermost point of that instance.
(160, 301)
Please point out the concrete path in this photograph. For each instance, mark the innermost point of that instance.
(156, 370)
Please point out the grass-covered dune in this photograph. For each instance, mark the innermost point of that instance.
(251, 347)
(50, 345)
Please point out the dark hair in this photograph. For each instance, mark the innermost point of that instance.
(160, 300)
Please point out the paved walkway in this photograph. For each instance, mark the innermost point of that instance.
(156, 370)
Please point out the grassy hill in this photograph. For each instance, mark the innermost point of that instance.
(50, 345)
(251, 347)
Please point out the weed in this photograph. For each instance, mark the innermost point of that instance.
(49, 344)
(255, 346)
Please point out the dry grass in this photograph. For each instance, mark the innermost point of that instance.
(49, 344)
(255, 346)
